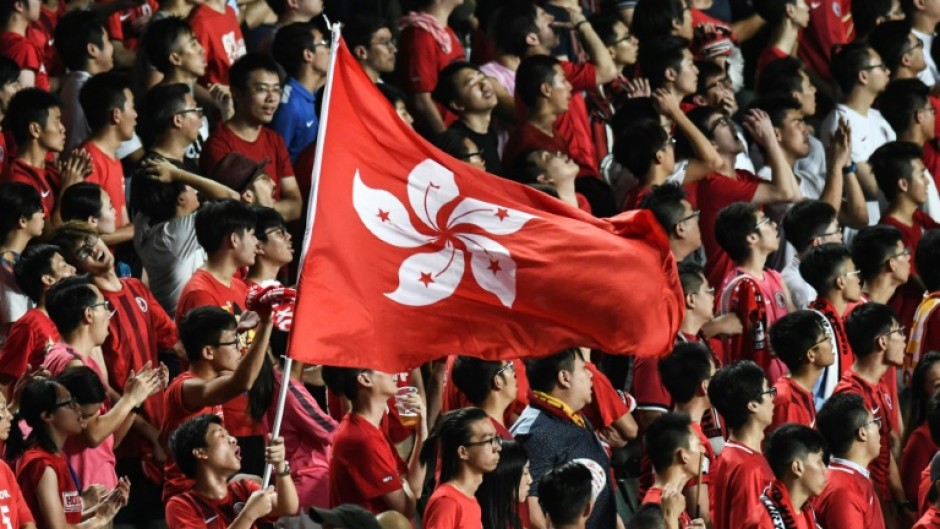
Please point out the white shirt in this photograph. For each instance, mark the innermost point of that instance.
(801, 293)
(930, 75)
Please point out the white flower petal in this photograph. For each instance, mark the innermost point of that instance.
(492, 267)
(490, 217)
(427, 278)
(385, 216)
(430, 187)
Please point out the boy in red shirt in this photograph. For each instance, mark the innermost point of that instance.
(788, 18)
(16, 17)
(878, 341)
(745, 401)
(490, 385)
(925, 331)
(209, 456)
(885, 262)
(366, 470)
(796, 453)
(217, 372)
(256, 91)
(216, 27)
(678, 456)
(803, 341)
(852, 433)
(672, 209)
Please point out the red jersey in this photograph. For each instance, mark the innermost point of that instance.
(792, 404)
(204, 290)
(709, 195)
(648, 388)
(830, 24)
(137, 331)
(849, 500)
(27, 342)
(908, 296)
(635, 197)
(915, 457)
(930, 519)
(448, 508)
(14, 512)
(607, 404)
(175, 414)
(759, 517)
(44, 180)
(877, 399)
(191, 510)
(26, 55)
(221, 37)
(30, 469)
(769, 55)
(108, 173)
(923, 490)
(574, 126)
(121, 24)
(526, 137)
(738, 480)
(268, 144)
(931, 155)
(421, 58)
(655, 495)
(365, 465)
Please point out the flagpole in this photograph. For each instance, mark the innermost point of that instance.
(311, 213)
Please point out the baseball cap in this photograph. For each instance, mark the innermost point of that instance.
(237, 171)
(346, 516)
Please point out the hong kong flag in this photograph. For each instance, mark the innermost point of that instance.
(411, 255)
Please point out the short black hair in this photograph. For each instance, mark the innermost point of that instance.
(160, 105)
(162, 39)
(564, 493)
(776, 105)
(9, 71)
(203, 326)
(342, 380)
(789, 443)
(29, 105)
(154, 199)
(648, 516)
(734, 387)
(452, 143)
(290, 44)
(360, 29)
(392, 94)
(474, 377)
(665, 201)
(927, 257)
(839, 420)
(81, 201)
(735, 222)
(514, 21)
(632, 110)
(17, 201)
(871, 248)
(83, 384)
(700, 117)
(67, 300)
(637, 144)
(773, 11)
(784, 75)
(100, 95)
(806, 221)
(692, 277)
(893, 161)
(189, 436)
(217, 220)
(867, 323)
(847, 62)
(659, 54)
(793, 335)
(604, 25)
(265, 219)
(533, 72)
(35, 262)
(666, 434)
(74, 32)
(822, 265)
(933, 414)
(684, 369)
(707, 70)
(890, 40)
(901, 101)
(654, 18)
(543, 372)
(865, 15)
(241, 69)
(525, 168)
(446, 90)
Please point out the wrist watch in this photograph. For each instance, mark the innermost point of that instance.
(285, 472)
(851, 168)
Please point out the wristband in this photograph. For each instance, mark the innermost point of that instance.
(286, 471)
(849, 169)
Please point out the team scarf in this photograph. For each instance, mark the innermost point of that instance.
(832, 322)
(431, 25)
(918, 328)
(556, 407)
(777, 501)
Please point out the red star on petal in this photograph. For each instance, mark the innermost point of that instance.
(502, 213)
(383, 215)
(426, 279)
(494, 266)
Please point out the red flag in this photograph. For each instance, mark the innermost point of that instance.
(412, 255)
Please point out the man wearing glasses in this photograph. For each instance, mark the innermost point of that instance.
(878, 342)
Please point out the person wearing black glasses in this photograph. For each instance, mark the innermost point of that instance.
(468, 446)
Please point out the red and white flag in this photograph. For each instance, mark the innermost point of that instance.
(411, 255)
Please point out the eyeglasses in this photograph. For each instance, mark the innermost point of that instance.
(710, 291)
(929, 108)
(874, 66)
(106, 305)
(917, 44)
(876, 420)
(388, 43)
(856, 273)
(322, 42)
(723, 120)
(838, 231)
(772, 392)
(87, 247)
(197, 110)
(471, 155)
(901, 331)
(690, 216)
(905, 252)
(827, 338)
(274, 90)
(231, 343)
(510, 366)
(492, 441)
(71, 403)
(724, 82)
(280, 230)
(624, 38)
(670, 142)
(761, 222)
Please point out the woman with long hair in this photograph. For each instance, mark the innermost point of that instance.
(15, 511)
(919, 447)
(503, 493)
(43, 472)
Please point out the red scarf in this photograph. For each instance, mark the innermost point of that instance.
(844, 352)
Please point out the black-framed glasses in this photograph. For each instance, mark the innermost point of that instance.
(670, 142)
(322, 42)
(491, 441)
(470, 155)
(71, 403)
(87, 248)
(281, 230)
(827, 338)
(906, 251)
(388, 43)
(232, 343)
(876, 420)
(917, 45)
(772, 392)
(723, 120)
(902, 330)
(624, 38)
(838, 231)
(761, 222)
(873, 66)
(690, 216)
(105, 304)
(510, 366)
(724, 82)
(197, 110)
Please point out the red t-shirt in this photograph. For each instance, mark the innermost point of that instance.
(204, 290)
(907, 297)
(769, 55)
(915, 457)
(14, 512)
(635, 197)
(448, 508)
(453, 399)
(526, 137)
(27, 342)
(792, 404)
(655, 495)
(175, 414)
(830, 24)
(121, 23)
(738, 480)
(268, 144)
(421, 58)
(923, 490)
(365, 465)
(710, 195)
(221, 37)
(31, 468)
(848, 501)
(108, 173)
(759, 518)
(26, 55)
(45, 181)
(607, 404)
(137, 332)
(877, 399)
(930, 519)
(191, 510)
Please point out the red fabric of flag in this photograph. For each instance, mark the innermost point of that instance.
(412, 255)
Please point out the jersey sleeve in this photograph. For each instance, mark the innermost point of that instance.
(180, 514)
(748, 486)
(373, 478)
(607, 404)
(442, 513)
(844, 510)
(581, 76)
(419, 65)
(730, 190)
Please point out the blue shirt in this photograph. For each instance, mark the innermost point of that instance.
(295, 119)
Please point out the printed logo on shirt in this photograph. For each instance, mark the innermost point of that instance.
(238, 507)
(386, 479)
(210, 519)
(234, 48)
(142, 303)
(837, 8)
(126, 16)
(72, 501)
(888, 401)
(875, 410)
(4, 494)
(310, 123)
(45, 193)
(285, 95)
(781, 301)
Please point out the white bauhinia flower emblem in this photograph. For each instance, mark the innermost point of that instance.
(426, 278)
